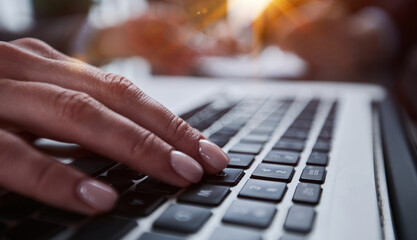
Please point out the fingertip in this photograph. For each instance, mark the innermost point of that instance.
(186, 167)
(213, 155)
(96, 195)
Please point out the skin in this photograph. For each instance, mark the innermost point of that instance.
(48, 94)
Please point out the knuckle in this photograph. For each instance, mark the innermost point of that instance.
(75, 105)
(177, 127)
(42, 178)
(143, 147)
(121, 88)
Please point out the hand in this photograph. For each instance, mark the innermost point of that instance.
(51, 95)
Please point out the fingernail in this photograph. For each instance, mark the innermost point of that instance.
(96, 194)
(186, 167)
(213, 155)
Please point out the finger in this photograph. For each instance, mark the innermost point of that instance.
(28, 172)
(40, 48)
(70, 116)
(123, 97)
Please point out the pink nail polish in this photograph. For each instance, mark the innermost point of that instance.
(96, 194)
(213, 155)
(186, 166)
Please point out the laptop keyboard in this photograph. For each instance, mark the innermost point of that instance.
(245, 128)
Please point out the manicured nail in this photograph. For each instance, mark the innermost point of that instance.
(213, 155)
(186, 167)
(96, 194)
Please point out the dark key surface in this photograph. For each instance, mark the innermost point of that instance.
(251, 148)
(314, 174)
(238, 160)
(228, 177)
(273, 172)
(206, 194)
(295, 133)
(55, 215)
(3, 228)
(301, 123)
(282, 157)
(157, 236)
(250, 213)
(322, 146)
(288, 237)
(105, 228)
(183, 218)
(152, 185)
(220, 139)
(137, 204)
(14, 206)
(124, 171)
(300, 219)
(318, 158)
(307, 193)
(229, 233)
(325, 134)
(34, 230)
(263, 190)
(255, 138)
(118, 183)
(290, 144)
(93, 165)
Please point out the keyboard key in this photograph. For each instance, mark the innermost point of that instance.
(313, 174)
(263, 190)
(240, 160)
(183, 218)
(228, 177)
(15, 207)
(138, 204)
(228, 233)
(157, 236)
(255, 138)
(290, 144)
(282, 157)
(318, 158)
(34, 230)
(118, 183)
(273, 172)
(205, 194)
(322, 146)
(152, 185)
(220, 139)
(250, 213)
(307, 193)
(93, 165)
(325, 134)
(124, 171)
(251, 148)
(287, 237)
(300, 219)
(302, 124)
(105, 228)
(295, 133)
(55, 215)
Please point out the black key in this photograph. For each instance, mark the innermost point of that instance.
(307, 193)
(296, 133)
(219, 139)
(263, 190)
(138, 204)
(152, 185)
(228, 177)
(322, 146)
(250, 213)
(183, 218)
(251, 148)
(318, 158)
(124, 171)
(158, 236)
(283, 157)
(205, 194)
(313, 174)
(325, 134)
(301, 123)
(105, 228)
(287, 237)
(228, 233)
(274, 172)
(290, 144)
(55, 215)
(300, 219)
(93, 165)
(255, 138)
(264, 128)
(118, 183)
(14, 207)
(240, 160)
(34, 229)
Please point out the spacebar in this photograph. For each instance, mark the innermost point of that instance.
(107, 228)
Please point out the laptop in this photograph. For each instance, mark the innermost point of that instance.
(309, 160)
